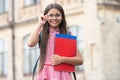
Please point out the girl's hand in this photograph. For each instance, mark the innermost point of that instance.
(43, 19)
(56, 59)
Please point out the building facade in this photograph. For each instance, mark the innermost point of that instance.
(109, 14)
(94, 22)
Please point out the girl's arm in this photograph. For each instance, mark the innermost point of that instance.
(77, 60)
(73, 60)
(34, 37)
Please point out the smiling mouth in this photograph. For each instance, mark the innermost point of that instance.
(54, 22)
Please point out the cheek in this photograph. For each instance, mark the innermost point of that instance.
(60, 19)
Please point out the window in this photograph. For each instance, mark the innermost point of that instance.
(78, 31)
(3, 6)
(30, 57)
(30, 2)
(3, 64)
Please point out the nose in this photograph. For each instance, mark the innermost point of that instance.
(54, 17)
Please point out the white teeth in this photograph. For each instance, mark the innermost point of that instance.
(54, 22)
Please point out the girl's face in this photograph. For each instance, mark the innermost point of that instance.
(54, 18)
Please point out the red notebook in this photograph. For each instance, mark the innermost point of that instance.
(65, 45)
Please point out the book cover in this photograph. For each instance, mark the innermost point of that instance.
(65, 45)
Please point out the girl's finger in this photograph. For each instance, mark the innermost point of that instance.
(41, 18)
(46, 17)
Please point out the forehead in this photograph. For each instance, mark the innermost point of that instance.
(54, 11)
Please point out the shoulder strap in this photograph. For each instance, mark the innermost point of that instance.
(69, 33)
(40, 36)
(35, 66)
(74, 75)
(34, 69)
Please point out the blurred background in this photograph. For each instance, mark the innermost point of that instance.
(96, 23)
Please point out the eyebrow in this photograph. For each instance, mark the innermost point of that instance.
(53, 14)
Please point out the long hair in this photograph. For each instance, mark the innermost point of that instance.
(45, 31)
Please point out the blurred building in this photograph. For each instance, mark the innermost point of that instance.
(95, 22)
(109, 15)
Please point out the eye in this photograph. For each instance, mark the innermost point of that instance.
(51, 15)
(57, 15)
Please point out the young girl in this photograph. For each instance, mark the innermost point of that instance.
(52, 22)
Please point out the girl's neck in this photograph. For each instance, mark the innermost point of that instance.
(54, 27)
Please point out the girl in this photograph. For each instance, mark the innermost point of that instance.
(52, 22)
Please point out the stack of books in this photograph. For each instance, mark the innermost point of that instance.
(65, 45)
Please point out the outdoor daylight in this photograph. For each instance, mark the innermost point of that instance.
(59, 39)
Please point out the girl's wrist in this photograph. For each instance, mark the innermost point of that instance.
(62, 59)
(39, 26)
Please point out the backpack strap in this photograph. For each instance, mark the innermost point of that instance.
(34, 69)
(69, 33)
(74, 75)
(35, 66)
(40, 36)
